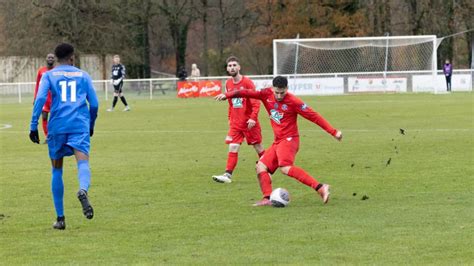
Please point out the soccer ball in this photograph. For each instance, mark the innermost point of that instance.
(280, 197)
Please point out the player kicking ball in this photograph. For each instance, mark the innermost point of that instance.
(70, 126)
(283, 109)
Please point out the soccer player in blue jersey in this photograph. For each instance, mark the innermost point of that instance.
(70, 126)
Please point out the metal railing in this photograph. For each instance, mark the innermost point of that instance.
(162, 88)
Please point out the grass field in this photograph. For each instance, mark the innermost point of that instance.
(155, 202)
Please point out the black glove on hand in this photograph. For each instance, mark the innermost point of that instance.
(34, 137)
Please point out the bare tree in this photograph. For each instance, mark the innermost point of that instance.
(179, 15)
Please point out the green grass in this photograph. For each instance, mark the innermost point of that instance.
(155, 201)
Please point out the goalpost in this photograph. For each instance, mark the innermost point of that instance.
(379, 57)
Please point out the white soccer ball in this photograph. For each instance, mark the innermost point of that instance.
(280, 197)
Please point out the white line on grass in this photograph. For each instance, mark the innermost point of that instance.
(5, 126)
(408, 130)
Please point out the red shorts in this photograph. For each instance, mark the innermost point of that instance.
(281, 154)
(253, 135)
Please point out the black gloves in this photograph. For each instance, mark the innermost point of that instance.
(34, 137)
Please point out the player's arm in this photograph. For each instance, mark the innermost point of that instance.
(93, 103)
(229, 108)
(255, 104)
(313, 116)
(38, 107)
(261, 95)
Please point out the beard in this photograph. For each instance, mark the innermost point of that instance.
(233, 74)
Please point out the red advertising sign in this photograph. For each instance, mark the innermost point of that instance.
(205, 88)
(210, 88)
(187, 89)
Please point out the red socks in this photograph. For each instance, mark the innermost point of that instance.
(300, 175)
(45, 127)
(261, 154)
(232, 159)
(265, 183)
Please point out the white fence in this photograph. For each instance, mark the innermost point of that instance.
(307, 84)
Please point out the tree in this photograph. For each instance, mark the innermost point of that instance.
(179, 15)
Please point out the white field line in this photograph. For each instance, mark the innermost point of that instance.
(407, 130)
(5, 126)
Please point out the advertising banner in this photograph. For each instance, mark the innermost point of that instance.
(210, 88)
(204, 88)
(316, 86)
(308, 86)
(377, 84)
(459, 82)
(188, 89)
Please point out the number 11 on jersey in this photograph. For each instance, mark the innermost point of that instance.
(64, 84)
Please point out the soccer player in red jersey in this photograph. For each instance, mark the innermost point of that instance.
(243, 119)
(50, 59)
(284, 108)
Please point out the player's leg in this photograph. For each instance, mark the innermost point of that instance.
(124, 101)
(234, 138)
(254, 138)
(267, 164)
(83, 170)
(44, 120)
(122, 98)
(114, 102)
(57, 150)
(44, 116)
(449, 82)
(232, 159)
(57, 188)
(80, 143)
(286, 153)
(84, 177)
(259, 149)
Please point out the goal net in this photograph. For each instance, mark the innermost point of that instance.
(379, 56)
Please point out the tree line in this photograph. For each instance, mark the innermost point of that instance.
(164, 35)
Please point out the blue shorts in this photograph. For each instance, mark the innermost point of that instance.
(61, 145)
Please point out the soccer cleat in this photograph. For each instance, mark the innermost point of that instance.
(86, 206)
(126, 108)
(323, 191)
(224, 178)
(110, 109)
(60, 223)
(263, 202)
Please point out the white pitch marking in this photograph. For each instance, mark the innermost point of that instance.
(5, 126)
(409, 130)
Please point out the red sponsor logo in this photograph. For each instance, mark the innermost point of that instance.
(205, 88)
(210, 88)
(188, 89)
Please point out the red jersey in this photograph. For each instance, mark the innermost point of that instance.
(38, 79)
(242, 109)
(284, 113)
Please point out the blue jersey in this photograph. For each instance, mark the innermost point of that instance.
(71, 89)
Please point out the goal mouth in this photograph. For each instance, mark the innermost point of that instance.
(357, 57)
(344, 55)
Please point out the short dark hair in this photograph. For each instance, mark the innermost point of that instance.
(280, 82)
(232, 59)
(64, 51)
